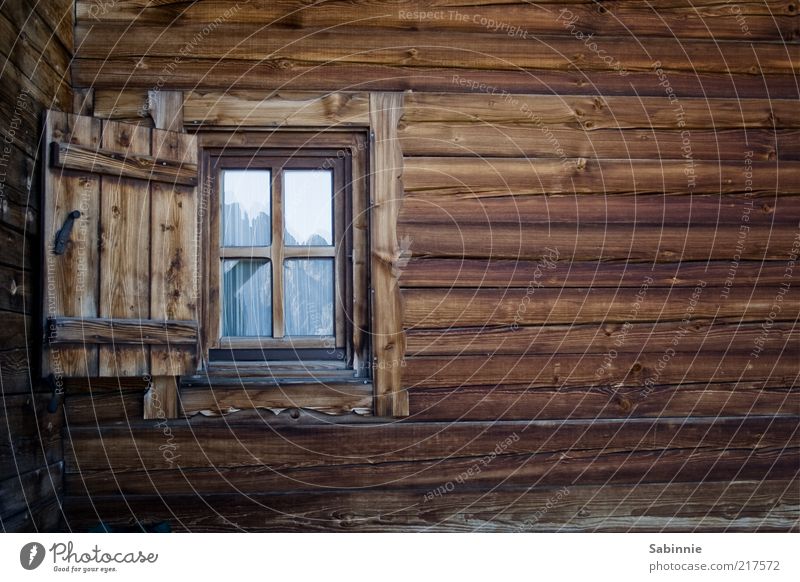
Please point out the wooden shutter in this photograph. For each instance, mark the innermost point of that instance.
(120, 301)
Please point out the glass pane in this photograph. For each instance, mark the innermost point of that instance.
(308, 301)
(246, 208)
(246, 298)
(308, 202)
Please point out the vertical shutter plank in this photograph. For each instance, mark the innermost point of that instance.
(173, 244)
(125, 250)
(71, 279)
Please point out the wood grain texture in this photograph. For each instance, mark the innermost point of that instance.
(596, 112)
(228, 75)
(166, 110)
(125, 249)
(465, 177)
(277, 108)
(628, 369)
(174, 240)
(124, 164)
(680, 507)
(765, 20)
(335, 441)
(608, 337)
(161, 398)
(387, 196)
(445, 308)
(72, 284)
(121, 331)
(246, 41)
(462, 272)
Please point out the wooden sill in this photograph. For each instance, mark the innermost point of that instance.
(218, 395)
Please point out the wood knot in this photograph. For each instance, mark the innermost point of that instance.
(636, 367)
(580, 164)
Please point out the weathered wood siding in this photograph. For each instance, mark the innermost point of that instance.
(35, 52)
(562, 216)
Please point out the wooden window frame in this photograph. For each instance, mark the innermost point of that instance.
(344, 152)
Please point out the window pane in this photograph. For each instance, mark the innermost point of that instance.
(308, 202)
(308, 301)
(246, 211)
(246, 298)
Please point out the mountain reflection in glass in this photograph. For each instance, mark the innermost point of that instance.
(247, 298)
(308, 309)
(308, 207)
(246, 208)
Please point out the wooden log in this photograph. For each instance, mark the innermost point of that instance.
(388, 345)
(121, 331)
(768, 20)
(469, 178)
(123, 164)
(663, 507)
(445, 308)
(202, 442)
(478, 139)
(229, 75)
(276, 44)
(280, 108)
(490, 403)
(754, 210)
(699, 337)
(592, 242)
(578, 468)
(627, 369)
(596, 112)
(15, 289)
(510, 402)
(517, 273)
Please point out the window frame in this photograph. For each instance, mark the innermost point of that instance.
(346, 154)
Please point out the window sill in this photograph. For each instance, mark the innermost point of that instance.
(216, 394)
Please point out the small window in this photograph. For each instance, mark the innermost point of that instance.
(287, 260)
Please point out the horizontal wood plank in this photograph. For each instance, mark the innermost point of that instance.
(468, 177)
(678, 507)
(207, 442)
(446, 308)
(627, 369)
(123, 165)
(95, 330)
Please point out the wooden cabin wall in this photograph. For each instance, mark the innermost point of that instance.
(579, 356)
(35, 53)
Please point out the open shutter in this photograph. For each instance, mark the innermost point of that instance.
(120, 249)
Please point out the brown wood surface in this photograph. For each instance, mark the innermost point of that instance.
(468, 178)
(123, 164)
(665, 507)
(632, 242)
(245, 41)
(445, 308)
(768, 20)
(206, 442)
(71, 282)
(628, 369)
(596, 112)
(161, 398)
(633, 336)
(463, 272)
(124, 249)
(387, 194)
(121, 331)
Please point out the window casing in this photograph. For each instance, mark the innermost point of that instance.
(276, 304)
